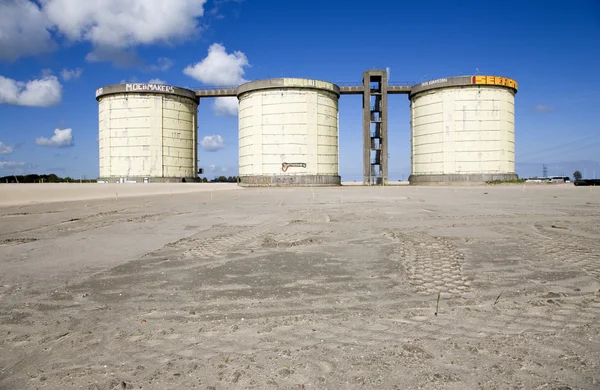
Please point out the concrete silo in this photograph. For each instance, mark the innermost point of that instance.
(147, 133)
(463, 130)
(288, 133)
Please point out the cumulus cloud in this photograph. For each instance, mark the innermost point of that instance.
(219, 170)
(156, 81)
(120, 57)
(120, 24)
(223, 69)
(132, 79)
(5, 149)
(11, 164)
(226, 106)
(163, 64)
(44, 92)
(215, 11)
(71, 74)
(212, 143)
(544, 108)
(219, 68)
(117, 23)
(23, 30)
(60, 139)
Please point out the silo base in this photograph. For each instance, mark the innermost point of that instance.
(459, 179)
(290, 180)
(148, 179)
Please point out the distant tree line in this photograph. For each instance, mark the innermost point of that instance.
(221, 179)
(51, 178)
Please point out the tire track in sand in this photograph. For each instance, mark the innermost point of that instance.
(432, 264)
(577, 252)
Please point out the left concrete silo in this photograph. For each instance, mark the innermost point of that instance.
(147, 133)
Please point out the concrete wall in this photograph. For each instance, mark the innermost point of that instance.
(291, 125)
(463, 130)
(147, 135)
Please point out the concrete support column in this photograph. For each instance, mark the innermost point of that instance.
(384, 126)
(366, 129)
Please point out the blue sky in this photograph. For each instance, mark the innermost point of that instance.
(551, 50)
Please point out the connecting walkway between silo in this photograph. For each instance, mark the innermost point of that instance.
(211, 93)
(394, 89)
(374, 90)
(398, 89)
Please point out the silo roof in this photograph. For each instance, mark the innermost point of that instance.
(462, 81)
(288, 83)
(144, 88)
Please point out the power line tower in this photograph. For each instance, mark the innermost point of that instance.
(545, 171)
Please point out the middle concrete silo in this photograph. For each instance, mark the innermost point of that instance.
(288, 133)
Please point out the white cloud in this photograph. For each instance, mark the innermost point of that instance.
(71, 74)
(124, 24)
(61, 138)
(23, 30)
(226, 106)
(223, 69)
(212, 143)
(44, 92)
(5, 149)
(132, 79)
(120, 57)
(218, 4)
(544, 108)
(219, 170)
(163, 64)
(219, 68)
(113, 27)
(156, 81)
(11, 164)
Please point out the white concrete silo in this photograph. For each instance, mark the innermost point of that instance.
(463, 130)
(288, 133)
(147, 133)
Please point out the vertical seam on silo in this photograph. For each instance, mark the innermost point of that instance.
(162, 138)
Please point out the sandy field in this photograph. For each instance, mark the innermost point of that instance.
(485, 287)
(22, 194)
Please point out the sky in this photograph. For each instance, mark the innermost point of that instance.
(54, 54)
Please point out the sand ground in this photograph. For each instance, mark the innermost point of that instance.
(331, 288)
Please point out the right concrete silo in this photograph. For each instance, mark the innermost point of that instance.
(463, 130)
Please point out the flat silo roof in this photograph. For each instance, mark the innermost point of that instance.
(464, 81)
(279, 83)
(144, 88)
